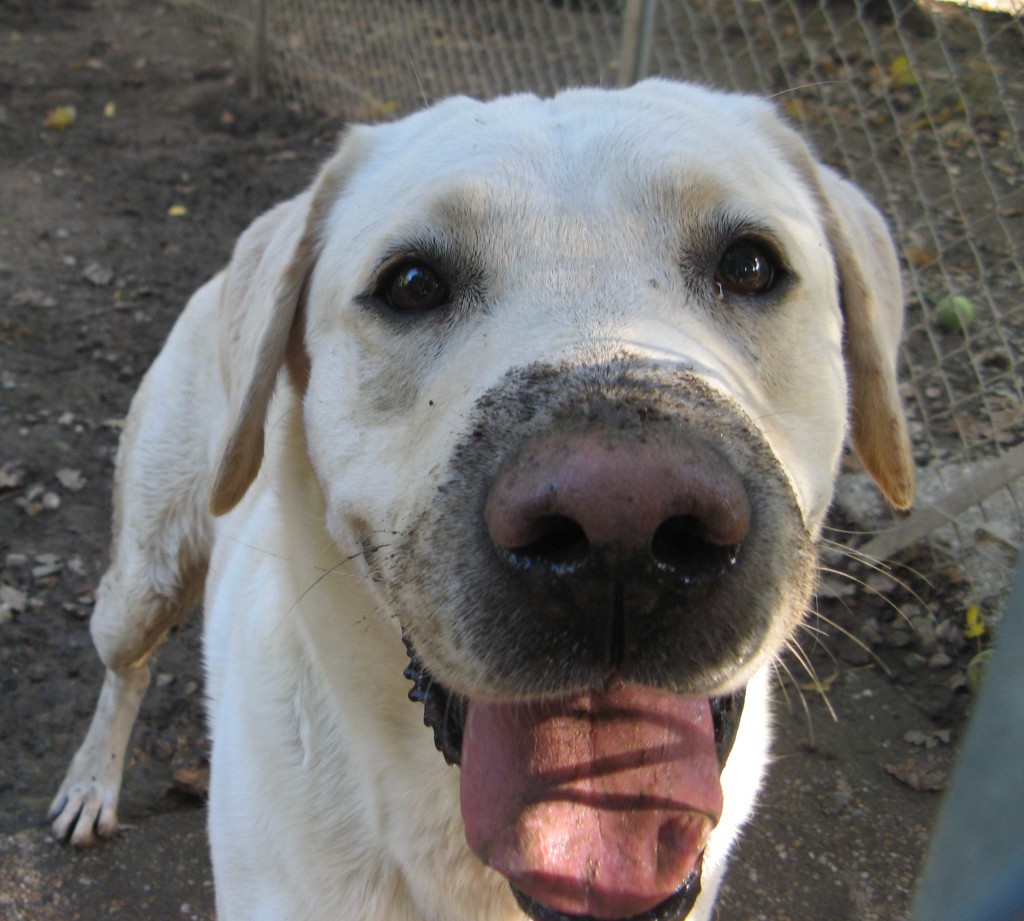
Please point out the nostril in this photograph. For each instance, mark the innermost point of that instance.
(556, 542)
(682, 549)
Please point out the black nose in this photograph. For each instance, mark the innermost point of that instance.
(666, 508)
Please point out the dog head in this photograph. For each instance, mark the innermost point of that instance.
(619, 338)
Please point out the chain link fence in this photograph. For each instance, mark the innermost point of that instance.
(921, 102)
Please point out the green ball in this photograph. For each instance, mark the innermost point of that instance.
(954, 312)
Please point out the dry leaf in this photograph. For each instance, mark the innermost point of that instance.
(60, 118)
(11, 476)
(975, 623)
(919, 775)
(192, 781)
(901, 73)
(920, 257)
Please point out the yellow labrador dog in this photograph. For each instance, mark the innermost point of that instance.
(530, 411)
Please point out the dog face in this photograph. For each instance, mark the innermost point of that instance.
(591, 258)
(616, 336)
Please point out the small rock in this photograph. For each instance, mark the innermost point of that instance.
(914, 660)
(939, 660)
(924, 629)
(869, 632)
(949, 633)
(897, 639)
(12, 598)
(854, 653)
(881, 583)
(98, 275)
(928, 738)
(836, 587)
(29, 505)
(34, 298)
(839, 801)
(49, 565)
(76, 566)
(70, 479)
(911, 609)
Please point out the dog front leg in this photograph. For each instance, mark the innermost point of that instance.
(85, 808)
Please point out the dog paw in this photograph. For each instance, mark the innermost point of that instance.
(83, 813)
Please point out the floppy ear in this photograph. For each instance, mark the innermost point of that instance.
(261, 317)
(871, 295)
(872, 302)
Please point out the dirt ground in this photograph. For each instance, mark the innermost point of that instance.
(106, 225)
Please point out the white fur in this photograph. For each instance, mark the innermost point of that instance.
(327, 797)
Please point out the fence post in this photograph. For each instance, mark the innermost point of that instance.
(634, 52)
(258, 63)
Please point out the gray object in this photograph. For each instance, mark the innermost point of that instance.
(975, 866)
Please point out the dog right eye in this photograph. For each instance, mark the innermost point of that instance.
(747, 268)
(414, 287)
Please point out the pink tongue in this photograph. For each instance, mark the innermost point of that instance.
(594, 805)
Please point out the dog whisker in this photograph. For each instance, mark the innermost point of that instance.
(806, 86)
(801, 656)
(835, 625)
(780, 663)
(882, 566)
(334, 570)
(868, 587)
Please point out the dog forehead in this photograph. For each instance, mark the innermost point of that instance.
(579, 144)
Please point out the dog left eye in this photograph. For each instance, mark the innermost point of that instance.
(747, 268)
(413, 287)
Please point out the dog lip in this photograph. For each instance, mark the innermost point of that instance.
(444, 711)
(675, 908)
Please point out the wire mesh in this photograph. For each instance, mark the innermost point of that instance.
(919, 101)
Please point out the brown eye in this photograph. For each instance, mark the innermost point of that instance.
(746, 268)
(413, 287)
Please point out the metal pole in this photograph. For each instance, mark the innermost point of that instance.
(258, 68)
(637, 29)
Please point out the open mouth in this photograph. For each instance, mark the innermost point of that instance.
(594, 806)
